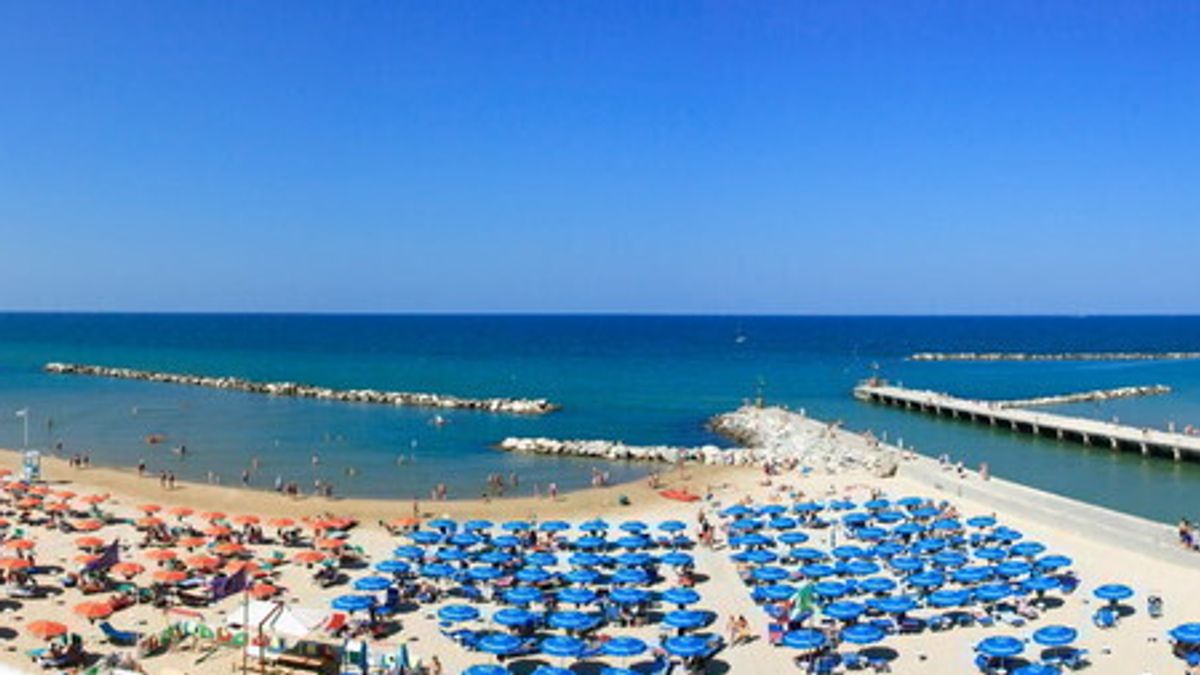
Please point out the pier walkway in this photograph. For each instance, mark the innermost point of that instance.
(1063, 427)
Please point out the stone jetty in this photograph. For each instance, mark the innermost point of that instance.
(1065, 356)
(1083, 396)
(769, 435)
(518, 406)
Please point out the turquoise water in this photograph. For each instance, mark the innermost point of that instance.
(638, 379)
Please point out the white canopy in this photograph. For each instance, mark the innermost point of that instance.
(276, 617)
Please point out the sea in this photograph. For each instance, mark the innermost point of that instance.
(638, 379)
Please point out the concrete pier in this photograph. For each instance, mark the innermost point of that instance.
(1062, 427)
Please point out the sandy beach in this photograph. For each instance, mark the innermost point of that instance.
(1111, 551)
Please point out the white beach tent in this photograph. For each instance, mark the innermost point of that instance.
(278, 618)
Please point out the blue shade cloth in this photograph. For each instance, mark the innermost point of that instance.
(409, 552)
(686, 646)
(624, 647)
(681, 596)
(443, 524)
(889, 517)
(352, 603)
(803, 639)
(630, 575)
(946, 525)
(554, 526)
(807, 507)
(516, 526)
(887, 549)
(486, 669)
(613, 670)
(590, 543)
(910, 502)
(981, 521)
(793, 538)
(925, 512)
(572, 620)
(926, 546)
(551, 670)
(629, 596)
(576, 595)
(685, 619)
(562, 646)
(437, 570)
(844, 610)
(770, 574)
(458, 613)
(533, 575)
(393, 567)
(758, 557)
(772, 510)
(854, 519)
(830, 589)
(782, 523)
(898, 604)
(678, 559)
(1187, 632)
(993, 592)
(523, 595)
(908, 529)
(948, 598)
(841, 505)
(372, 584)
(511, 616)
(1055, 636)
(1053, 562)
(1005, 534)
(862, 634)
(672, 526)
(498, 643)
(1000, 646)
(877, 504)
(777, 592)
(816, 571)
(751, 540)
(1113, 592)
(877, 585)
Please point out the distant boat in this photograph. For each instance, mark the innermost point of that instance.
(740, 337)
(439, 421)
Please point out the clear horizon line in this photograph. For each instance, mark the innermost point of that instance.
(614, 314)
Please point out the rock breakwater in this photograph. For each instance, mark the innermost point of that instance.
(1065, 356)
(1079, 397)
(518, 406)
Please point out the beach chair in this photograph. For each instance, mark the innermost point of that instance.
(853, 661)
(775, 633)
(336, 623)
(121, 638)
(1074, 659)
(1105, 617)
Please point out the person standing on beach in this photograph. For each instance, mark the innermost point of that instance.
(141, 467)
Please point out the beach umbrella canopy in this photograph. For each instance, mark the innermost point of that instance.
(584, 560)
(1005, 534)
(925, 513)
(807, 507)
(772, 510)
(685, 619)
(972, 575)
(910, 502)
(541, 559)
(793, 538)
(372, 584)
(169, 576)
(581, 576)
(425, 537)
(1027, 549)
(628, 596)
(877, 585)
(928, 546)
(554, 526)
(477, 524)
(927, 579)
(485, 573)
(630, 575)
(1013, 568)
(1055, 636)
(907, 564)
(573, 620)
(496, 557)
(1187, 632)
(486, 669)
(1040, 584)
(45, 630)
(681, 596)
(352, 603)
(128, 569)
(889, 516)
(511, 616)
(437, 570)
(594, 525)
(782, 523)
(844, 610)
(981, 521)
(93, 610)
(393, 567)
(634, 526)
(993, 592)
(672, 526)
(777, 592)
(1053, 562)
(1000, 646)
(908, 529)
(678, 559)
(686, 646)
(457, 613)
(635, 559)
(464, 539)
(533, 575)
(862, 634)
(1113, 592)
(949, 558)
(896, 604)
(444, 524)
(871, 533)
(737, 511)
(590, 542)
(848, 552)
(562, 646)
(576, 595)
(757, 556)
(523, 595)
(803, 639)
(877, 504)
(624, 647)
(770, 574)
(858, 568)
(409, 552)
(830, 589)
(807, 554)
(856, 519)
(814, 571)
(498, 643)
(451, 554)
(948, 598)
(516, 526)
(545, 669)
(1037, 669)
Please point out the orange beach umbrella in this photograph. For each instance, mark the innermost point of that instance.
(45, 629)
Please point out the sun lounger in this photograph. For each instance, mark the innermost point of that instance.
(119, 637)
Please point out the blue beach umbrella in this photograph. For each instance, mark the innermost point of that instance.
(754, 539)
(807, 554)
(477, 525)
(993, 592)
(772, 510)
(1027, 549)
(451, 554)
(830, 589)
(1113, 592)
(910, 502)
(817, 570)
(554, 526)
(485, 669)
(948, 598)
(464, 539)
(533, 575)
(871, 533)
(409, 552)
(927, 579)
(584, 560)
(523, 595)
(844, 610)
(877, 504)
(687, 646)
(1053, 562)
(804, 639)
(444, 524)
(545, 669)
(1013, 568)
(908, 529)
(584, 576)
(925, 513)
(630, 575)
(991, 554)
(624, 647)
(678, 559)
(458, 613)
(807, 507)
(685, 619)
(372, 584)
(1000, 646)
(485, 573)
(894, 604)
(1055, 636)
(516, 526)
(841, 505)
(1005, 534)
(793, 538)
(877, 585)
(496, 558)
(498, 643)
(629, 596)
(889, 517)
(633, 526)
(591, 543)
(393, 567)
(636, 559)
(770, 574)
(737, 511)
(577, 595)
(949, 559)
(862, 634)
(594, 525)
(511, 616)
(1040, 584)
(981, 522)
(777, 592)
(353, 603)
(573, 620)
(856, 519)
(858, 568)
(672, 526)
(1188, 633)
(681, 596)
(1037, 669)
(907, 564)
(562, 646)
(848, 552)
(541, 559)
(633, 542)
(887, 549)
(425, 537)
(437, 570)
(758, 556)
(782, 523)
(927, 546)
(506, 541)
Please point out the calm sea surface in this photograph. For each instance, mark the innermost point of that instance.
(638, 379)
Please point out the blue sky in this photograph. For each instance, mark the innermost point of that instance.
(899, 157)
